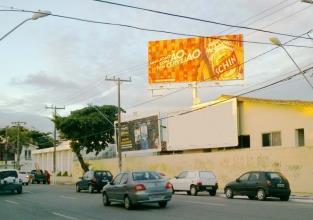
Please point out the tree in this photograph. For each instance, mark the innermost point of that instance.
(89, 129)
(41, 139)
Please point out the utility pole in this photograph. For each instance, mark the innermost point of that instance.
(55, 108)
(6, 148)
(18, 123)
(119, 139)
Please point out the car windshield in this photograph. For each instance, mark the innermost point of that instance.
(137, 176)
(6, 174)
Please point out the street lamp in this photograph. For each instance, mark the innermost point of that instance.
(36, 15)
(307, 1)
(277, 42)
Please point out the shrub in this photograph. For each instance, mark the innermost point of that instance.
(65, 173)
(59, 173)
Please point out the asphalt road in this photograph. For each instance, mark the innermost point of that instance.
(62, 202)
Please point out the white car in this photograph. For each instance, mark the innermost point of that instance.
(24, 177)
(193, 182)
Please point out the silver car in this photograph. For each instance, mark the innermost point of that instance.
(137, 187)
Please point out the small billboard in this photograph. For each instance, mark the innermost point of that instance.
(140, 134)
(196, 59)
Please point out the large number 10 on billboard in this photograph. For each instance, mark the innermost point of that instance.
(196, 59)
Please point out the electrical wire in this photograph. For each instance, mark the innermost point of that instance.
(196, 19)
(169, 32)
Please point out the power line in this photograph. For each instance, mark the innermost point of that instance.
(196, 19)
(171, 32)
(262, 12)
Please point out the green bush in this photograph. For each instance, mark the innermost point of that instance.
(59, 173)
(65, 173)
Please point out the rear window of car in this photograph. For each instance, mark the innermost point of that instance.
(206, 175)
(274, 176)
(5, 174)
(137, 176)
(103, 174)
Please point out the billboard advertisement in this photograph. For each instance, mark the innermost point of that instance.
(196, 59)
(140, 134)
(211, 127)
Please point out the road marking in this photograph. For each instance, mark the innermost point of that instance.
(27, 191)
(12, 202)
(68, 197)
(206, 203)
(64, 216)
(302, 200)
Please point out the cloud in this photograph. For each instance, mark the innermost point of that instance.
(44, 81)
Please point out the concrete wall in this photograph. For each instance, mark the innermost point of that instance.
(296, 163)
(260, 117)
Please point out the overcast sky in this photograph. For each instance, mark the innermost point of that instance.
(64, 62)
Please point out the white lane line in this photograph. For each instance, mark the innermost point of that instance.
(12, 202)
(68, 197)
(27, 191)
(206, 203)
(64, 216)
(302, 200)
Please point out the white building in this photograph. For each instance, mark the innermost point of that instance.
(26, 160)
(43, 158)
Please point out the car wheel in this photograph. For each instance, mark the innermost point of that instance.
(77, 188)
(251, 197)
(212, 192)
(284, 198)
(105, 199)
(163, 204)
(38, 181)
(261, 194)
(229, 193)
(26, 184)
(19, 190)
(90, 189)
(193, 191)
(128, 203)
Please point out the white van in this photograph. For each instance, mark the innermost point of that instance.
(195, 181)
(9, 181)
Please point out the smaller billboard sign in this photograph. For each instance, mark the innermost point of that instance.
(140, 134)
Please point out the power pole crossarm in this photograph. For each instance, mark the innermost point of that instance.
(119, 150)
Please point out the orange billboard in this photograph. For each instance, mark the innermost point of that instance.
(196, 59)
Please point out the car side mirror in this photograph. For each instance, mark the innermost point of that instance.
(237, 180)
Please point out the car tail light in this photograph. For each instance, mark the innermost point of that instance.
(268, 183)
(199, 183)
(140, 187)
(168, 186)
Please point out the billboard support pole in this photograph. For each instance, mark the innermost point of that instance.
(119, 139)
(195, 98)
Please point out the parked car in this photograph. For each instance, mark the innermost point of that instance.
(94, 180)
(195, 181)
(137, 187)
(24, 176)
(38, 176)
(9, 181)
(259, 184)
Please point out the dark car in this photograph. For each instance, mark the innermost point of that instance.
(9, 181)
(38, 176)
(259, 184)
(94, 180)
(138, 187)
